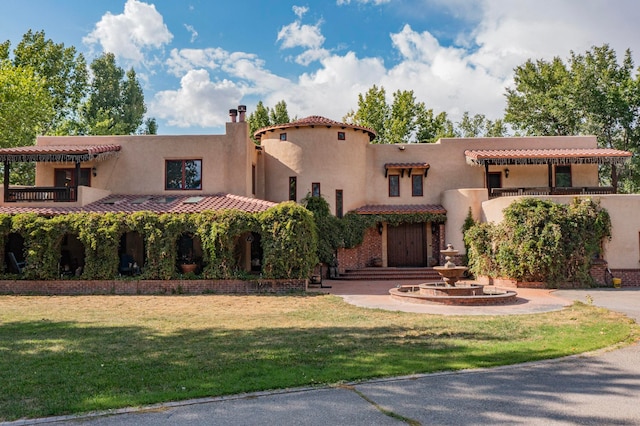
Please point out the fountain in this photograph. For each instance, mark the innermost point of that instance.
(449, 291)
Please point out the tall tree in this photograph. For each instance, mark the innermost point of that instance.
(265, 116)
(115, 105)
(592, 94)
(25, 108)
(62, 70)
(373, 112)
(479, 126)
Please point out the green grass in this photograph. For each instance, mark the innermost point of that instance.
(61, 355)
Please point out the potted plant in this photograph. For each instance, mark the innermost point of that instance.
(187, 264)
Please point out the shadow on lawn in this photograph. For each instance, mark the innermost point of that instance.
(52, 368)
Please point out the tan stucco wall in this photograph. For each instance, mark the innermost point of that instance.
(140, 166)
(316, 155)
(623, 250)
(457, 202)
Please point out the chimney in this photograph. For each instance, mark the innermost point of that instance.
(233, 113)
(242, 109)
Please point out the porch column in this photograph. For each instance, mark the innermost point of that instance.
(76, 183)
(486, 178)
(550, 173)
(7, 168)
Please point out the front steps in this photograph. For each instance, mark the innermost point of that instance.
(388, 274)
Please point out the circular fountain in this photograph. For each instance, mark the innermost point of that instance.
(449, 291)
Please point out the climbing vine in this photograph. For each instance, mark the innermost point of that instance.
(540, 240)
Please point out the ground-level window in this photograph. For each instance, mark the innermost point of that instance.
(394, 185)
(339, 202)
(563, 176)
(293, 188)
(183, 174)
(315, 189)
(416, 185)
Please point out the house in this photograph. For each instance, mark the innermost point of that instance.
(427, 188)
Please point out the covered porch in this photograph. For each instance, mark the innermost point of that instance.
(559, 164)
(66, 188)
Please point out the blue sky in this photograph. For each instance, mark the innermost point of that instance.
(197, 59)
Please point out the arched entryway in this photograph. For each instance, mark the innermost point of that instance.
(14, 253)
(248, 252)
(189, 253)
(132, 253)
(71, 256)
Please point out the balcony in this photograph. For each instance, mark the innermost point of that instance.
(39, 194)
(586, 190)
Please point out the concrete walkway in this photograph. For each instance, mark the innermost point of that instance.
(592, 389)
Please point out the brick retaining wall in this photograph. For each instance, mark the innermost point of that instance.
(84, 287)
(630, 277)
(362, 255)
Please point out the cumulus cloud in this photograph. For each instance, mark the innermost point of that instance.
(376, 2)
(128, 34)
(297, 35)
(192, 31)
(197, 101)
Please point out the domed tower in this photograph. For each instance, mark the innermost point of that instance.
(317, 156)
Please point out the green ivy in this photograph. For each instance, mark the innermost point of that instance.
(540, 240)
(288, 238)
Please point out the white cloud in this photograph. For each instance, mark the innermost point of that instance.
(198, 101)
(127, 35)
(300, 11)
(376, 2)
(297, 35)
(192, 31)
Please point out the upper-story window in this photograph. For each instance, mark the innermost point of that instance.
(315, 189)
(341, 136)
(563, 176)
(416, 185)
(283, 136)
(394, 185)
(183, 174)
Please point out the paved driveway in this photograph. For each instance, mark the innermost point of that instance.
(593, 389)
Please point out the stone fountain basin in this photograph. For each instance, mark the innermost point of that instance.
(439, 293)
(439, 289)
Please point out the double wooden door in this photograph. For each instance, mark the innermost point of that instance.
(406, 245)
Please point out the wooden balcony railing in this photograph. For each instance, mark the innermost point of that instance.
(39, 194)
(586, 190)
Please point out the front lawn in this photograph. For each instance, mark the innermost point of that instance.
(61, 355)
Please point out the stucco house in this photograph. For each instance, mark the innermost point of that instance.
(337, 161)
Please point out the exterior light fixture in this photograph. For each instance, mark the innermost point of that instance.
(401, 148)
(94, 171)
(506, 172)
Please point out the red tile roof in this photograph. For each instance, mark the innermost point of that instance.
(406, 165)
(542, 156)
(58, 153)
(311, 121)
(401, 209)
(155, 203)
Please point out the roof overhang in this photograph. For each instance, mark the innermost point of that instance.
(401, 209)
(409, 167)
(546, 156)
(58, 154)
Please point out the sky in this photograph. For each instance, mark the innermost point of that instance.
(196, 59)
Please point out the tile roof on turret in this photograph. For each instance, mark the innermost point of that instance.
(312, 121)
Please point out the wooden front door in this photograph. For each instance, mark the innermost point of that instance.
(406, 245)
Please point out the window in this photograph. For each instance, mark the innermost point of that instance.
(67, 177)
(253, 179)
(341, 136)
(416, 185)
(183, 174)
(283, 136)
(315, 189)
(293, 188)
(339, 203)
(563, 176)
(394, 185)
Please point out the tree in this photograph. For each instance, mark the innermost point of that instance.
(62, 70)
(115, 105)
(479, 126)
(593, 94)
(25, 108)
(265, 117)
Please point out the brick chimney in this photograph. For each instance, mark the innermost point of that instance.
(233, 113)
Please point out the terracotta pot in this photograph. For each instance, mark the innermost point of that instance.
(188, 267)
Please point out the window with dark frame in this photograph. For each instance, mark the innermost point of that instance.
(283, 136)
(339, 202)
(416, 185)
(394, 185)
(341, 136)
(563, 176)
(293, 188)
(183, 174)
(315, 189)
(253, 179)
